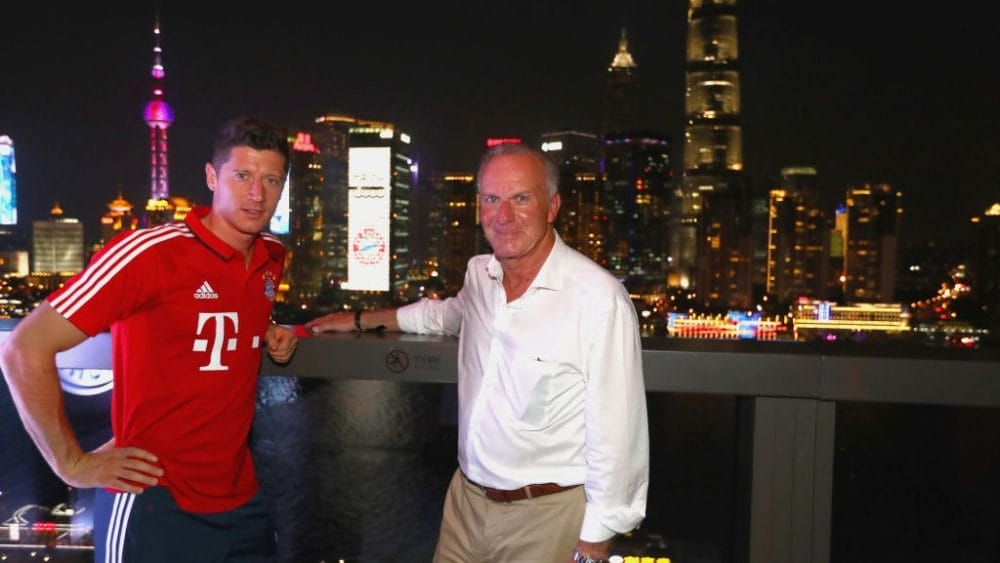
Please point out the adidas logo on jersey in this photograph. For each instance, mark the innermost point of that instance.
(205, 292)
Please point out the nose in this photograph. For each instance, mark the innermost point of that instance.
(256, 191)
(505, 214)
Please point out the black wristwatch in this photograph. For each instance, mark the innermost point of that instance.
(581, 558)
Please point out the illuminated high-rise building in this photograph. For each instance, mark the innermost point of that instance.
(621, 89)
(725, 248)
(306, 223)
(331, 135)
(453, 230)
(797, 238)
(381, 176)
(8, 182)
(57, 245)
(637, 191)
(580, 222)
(874, 215)
(713, 158)
(158, 116)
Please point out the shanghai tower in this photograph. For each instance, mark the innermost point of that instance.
(709, 237)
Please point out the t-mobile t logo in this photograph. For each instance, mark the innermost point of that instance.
(201, 344)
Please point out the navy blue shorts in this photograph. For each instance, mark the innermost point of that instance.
(151, 528)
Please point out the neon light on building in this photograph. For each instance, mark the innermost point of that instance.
(732, 326)
(8, 183)
(824, 317)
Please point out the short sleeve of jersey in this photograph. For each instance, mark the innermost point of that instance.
(118, 280)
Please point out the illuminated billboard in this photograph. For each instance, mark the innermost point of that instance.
(8, 185)
(369, 175)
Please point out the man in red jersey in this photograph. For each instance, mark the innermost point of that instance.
(188, 306)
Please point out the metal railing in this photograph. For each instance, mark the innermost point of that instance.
(787, 394)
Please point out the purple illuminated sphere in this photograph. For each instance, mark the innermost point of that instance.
(158, 114)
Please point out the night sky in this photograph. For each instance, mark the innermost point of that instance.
(864, 94)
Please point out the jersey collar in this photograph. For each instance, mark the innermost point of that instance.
(219, 246)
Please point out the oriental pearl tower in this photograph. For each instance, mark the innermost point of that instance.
(158, 115)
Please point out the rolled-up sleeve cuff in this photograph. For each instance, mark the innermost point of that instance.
(408, 317)
(592, 530)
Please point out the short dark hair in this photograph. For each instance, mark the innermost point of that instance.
(249, 132)
(551, 169)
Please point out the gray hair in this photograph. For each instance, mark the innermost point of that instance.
(551, 168)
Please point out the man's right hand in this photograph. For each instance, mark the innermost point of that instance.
(334, 322)
(130, 470)
(377, 320)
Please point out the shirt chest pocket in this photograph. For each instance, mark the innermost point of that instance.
(541, 390)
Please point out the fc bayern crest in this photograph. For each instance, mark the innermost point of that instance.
(368, 247)
(269, 285)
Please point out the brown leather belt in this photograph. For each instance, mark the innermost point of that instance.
(526, 492)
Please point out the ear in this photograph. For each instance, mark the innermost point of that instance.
(210, 177)
(554, 204)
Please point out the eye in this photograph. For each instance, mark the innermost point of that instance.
(490, 199)
(241, 175)
(521, 199)
(273, 182)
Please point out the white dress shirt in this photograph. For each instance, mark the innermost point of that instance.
(550, 385)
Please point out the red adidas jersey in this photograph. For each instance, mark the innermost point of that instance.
(187, 320)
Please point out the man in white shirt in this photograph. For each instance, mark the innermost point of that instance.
(553, 443)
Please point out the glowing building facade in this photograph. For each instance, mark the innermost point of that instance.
(57, 245)
(380, 178)
(826, 320)
(797, 238)
(306, 219)
(8, 182)
(452, 227)
(638, 188)
(713, 161)
(580, 222)
(873, 220)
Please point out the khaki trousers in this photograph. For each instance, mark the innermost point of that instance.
(475, 529)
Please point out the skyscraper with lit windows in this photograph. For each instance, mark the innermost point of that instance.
(797, 238)
(710, 236)
(57, 245)
(306, 223)
(331, 134)
(874, 216)
(638, 186)
(453, 230)
(621, 89)
(580, 222)
(381, 176)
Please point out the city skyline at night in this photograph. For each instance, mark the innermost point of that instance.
(851, 92)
